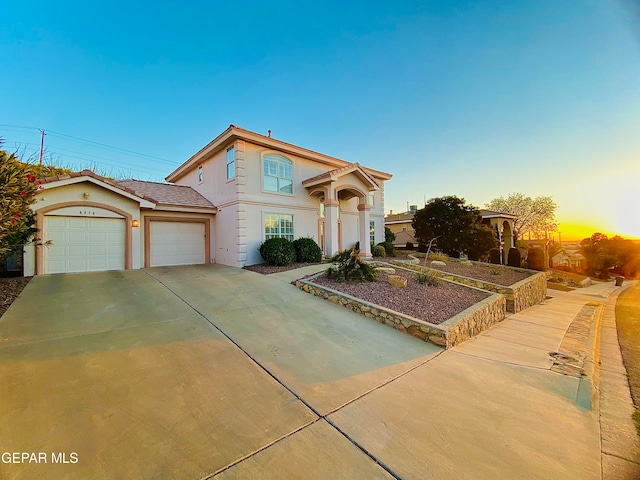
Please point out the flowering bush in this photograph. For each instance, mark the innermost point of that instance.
(18, 188)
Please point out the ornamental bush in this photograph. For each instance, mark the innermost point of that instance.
(514, 258)
(307, 250)
(347, 266)
(378, 251)
(278, 251)
(535, 259)
(494, 256)
(389, 249)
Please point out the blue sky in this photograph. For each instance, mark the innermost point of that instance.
(474, 99)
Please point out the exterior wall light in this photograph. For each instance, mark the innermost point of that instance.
(135, 223)
(85, 194)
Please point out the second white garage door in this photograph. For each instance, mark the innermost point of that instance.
(176, 243)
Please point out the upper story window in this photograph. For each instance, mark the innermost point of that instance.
(372, 198)
(277, 174)
(200, 174)
(231, 163)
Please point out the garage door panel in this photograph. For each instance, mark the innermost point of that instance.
(84, 244)
(176, 243)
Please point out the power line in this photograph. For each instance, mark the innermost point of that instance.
(91, 142)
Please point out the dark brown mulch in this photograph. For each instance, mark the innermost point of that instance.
(10, 288)
(431, 304)
(265, 269)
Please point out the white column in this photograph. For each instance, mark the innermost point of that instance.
(363, 218)
(331, 226)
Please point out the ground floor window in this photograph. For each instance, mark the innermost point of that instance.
(372, 232)
(278, 225)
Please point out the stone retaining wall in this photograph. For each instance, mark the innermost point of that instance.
(519, 296)
(450, 333)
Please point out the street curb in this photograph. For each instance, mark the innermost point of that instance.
(589, 384)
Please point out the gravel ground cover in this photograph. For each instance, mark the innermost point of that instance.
(265, 269)
(10, 288)
(480, 271)
(431, 304)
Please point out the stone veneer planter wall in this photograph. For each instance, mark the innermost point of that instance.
(450, 333)
(520, 295)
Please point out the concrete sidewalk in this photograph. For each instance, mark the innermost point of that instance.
(215, 372)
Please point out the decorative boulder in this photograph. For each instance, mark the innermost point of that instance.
(437, 262)
(398, 281)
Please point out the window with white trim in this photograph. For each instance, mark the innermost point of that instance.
(372, 198)
(200, 174)
(278, 226)
(372, 232)
(231, 163)
(277, 174)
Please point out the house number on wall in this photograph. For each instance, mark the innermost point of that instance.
(87, 212)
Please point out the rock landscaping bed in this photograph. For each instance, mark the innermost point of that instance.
(10, 288)
(433, 304)
(485, 272)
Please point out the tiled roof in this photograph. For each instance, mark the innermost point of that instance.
(167, 194)
(337, 171)
(403, 237)
(491, 213)
(89, 173)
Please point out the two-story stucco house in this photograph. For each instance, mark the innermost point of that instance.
(220, 205)
(263, 188)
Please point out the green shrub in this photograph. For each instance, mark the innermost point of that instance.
(347, 266)
(307, 250)
(378, 251)
(422, 248)
(409, 246)
(389, 249)
(494, 256)
(278, 251)
(514, 258)
(428, 278)
(535, 259)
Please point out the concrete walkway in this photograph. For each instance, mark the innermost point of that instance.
(214, 372)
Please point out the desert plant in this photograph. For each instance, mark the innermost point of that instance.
(494, 256)
(428, 278)
(378, 251)
(535, 260)
(389, 249)
(514, 258)
(409, 246)
(307, 250)
(439, 256)
(278, 251)
(347, 266)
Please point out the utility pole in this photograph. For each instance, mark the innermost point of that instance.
(41, 145)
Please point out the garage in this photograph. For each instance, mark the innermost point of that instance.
(177, 243)
(83, 244)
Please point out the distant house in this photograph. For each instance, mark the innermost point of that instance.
(238, 191)
(500, 223)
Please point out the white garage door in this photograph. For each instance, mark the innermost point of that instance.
(83, 244)
(176, 243)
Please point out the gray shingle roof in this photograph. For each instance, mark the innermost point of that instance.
(167, 194)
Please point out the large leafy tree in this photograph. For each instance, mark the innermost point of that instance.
(604, 255)
(457, 226)
(536, 216)
(18, 187)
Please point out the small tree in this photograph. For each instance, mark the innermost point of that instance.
(535, 216)
(389, 236)
(458, 227)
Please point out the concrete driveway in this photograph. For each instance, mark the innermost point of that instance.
(187, 373)
(214, 372)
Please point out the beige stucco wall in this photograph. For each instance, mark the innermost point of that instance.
(242, 203)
